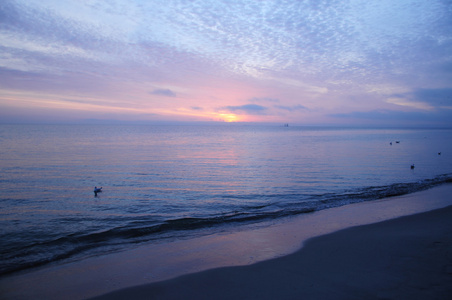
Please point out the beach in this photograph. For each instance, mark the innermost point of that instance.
(394, 248)
(405, 258)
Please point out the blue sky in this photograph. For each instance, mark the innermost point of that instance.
(306, 62)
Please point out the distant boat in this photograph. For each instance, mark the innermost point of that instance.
(286, 125)
(412, 167)
(397, 142)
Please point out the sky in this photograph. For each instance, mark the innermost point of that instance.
(355, 62)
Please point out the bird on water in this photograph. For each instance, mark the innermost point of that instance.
(97, 190)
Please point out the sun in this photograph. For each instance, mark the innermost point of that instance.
(228, 117)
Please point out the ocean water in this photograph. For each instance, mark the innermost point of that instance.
(170, 182)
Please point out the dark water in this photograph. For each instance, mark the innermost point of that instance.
(180, 181)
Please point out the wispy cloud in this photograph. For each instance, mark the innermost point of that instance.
(291, 108)
(252, 109)
(163, 92)
(440, 98)
(401, 101)
(425, 99)
(263, 99)
(326, 52)
(399, 118)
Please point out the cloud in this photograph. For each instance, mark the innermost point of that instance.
(401, 101)
(163, 92)
(424, 99)
(252, 109)
(391, 117)
(263, 99)
(446, 67)
(385, 115)
(291, 108)
(435, 97)
(319, 51)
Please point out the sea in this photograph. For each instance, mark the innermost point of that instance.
(167, 182)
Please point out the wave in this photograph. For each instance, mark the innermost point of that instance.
(37, 254)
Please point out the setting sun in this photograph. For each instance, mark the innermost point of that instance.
(228, 117)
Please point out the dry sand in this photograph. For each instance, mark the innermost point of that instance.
(404, 258)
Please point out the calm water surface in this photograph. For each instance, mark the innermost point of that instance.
(177, 181)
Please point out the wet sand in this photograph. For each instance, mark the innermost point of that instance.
(408, 257)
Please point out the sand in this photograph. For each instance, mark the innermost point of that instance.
(407, 257)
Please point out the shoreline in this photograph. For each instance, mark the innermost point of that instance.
(404, 258)
(246, 247)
